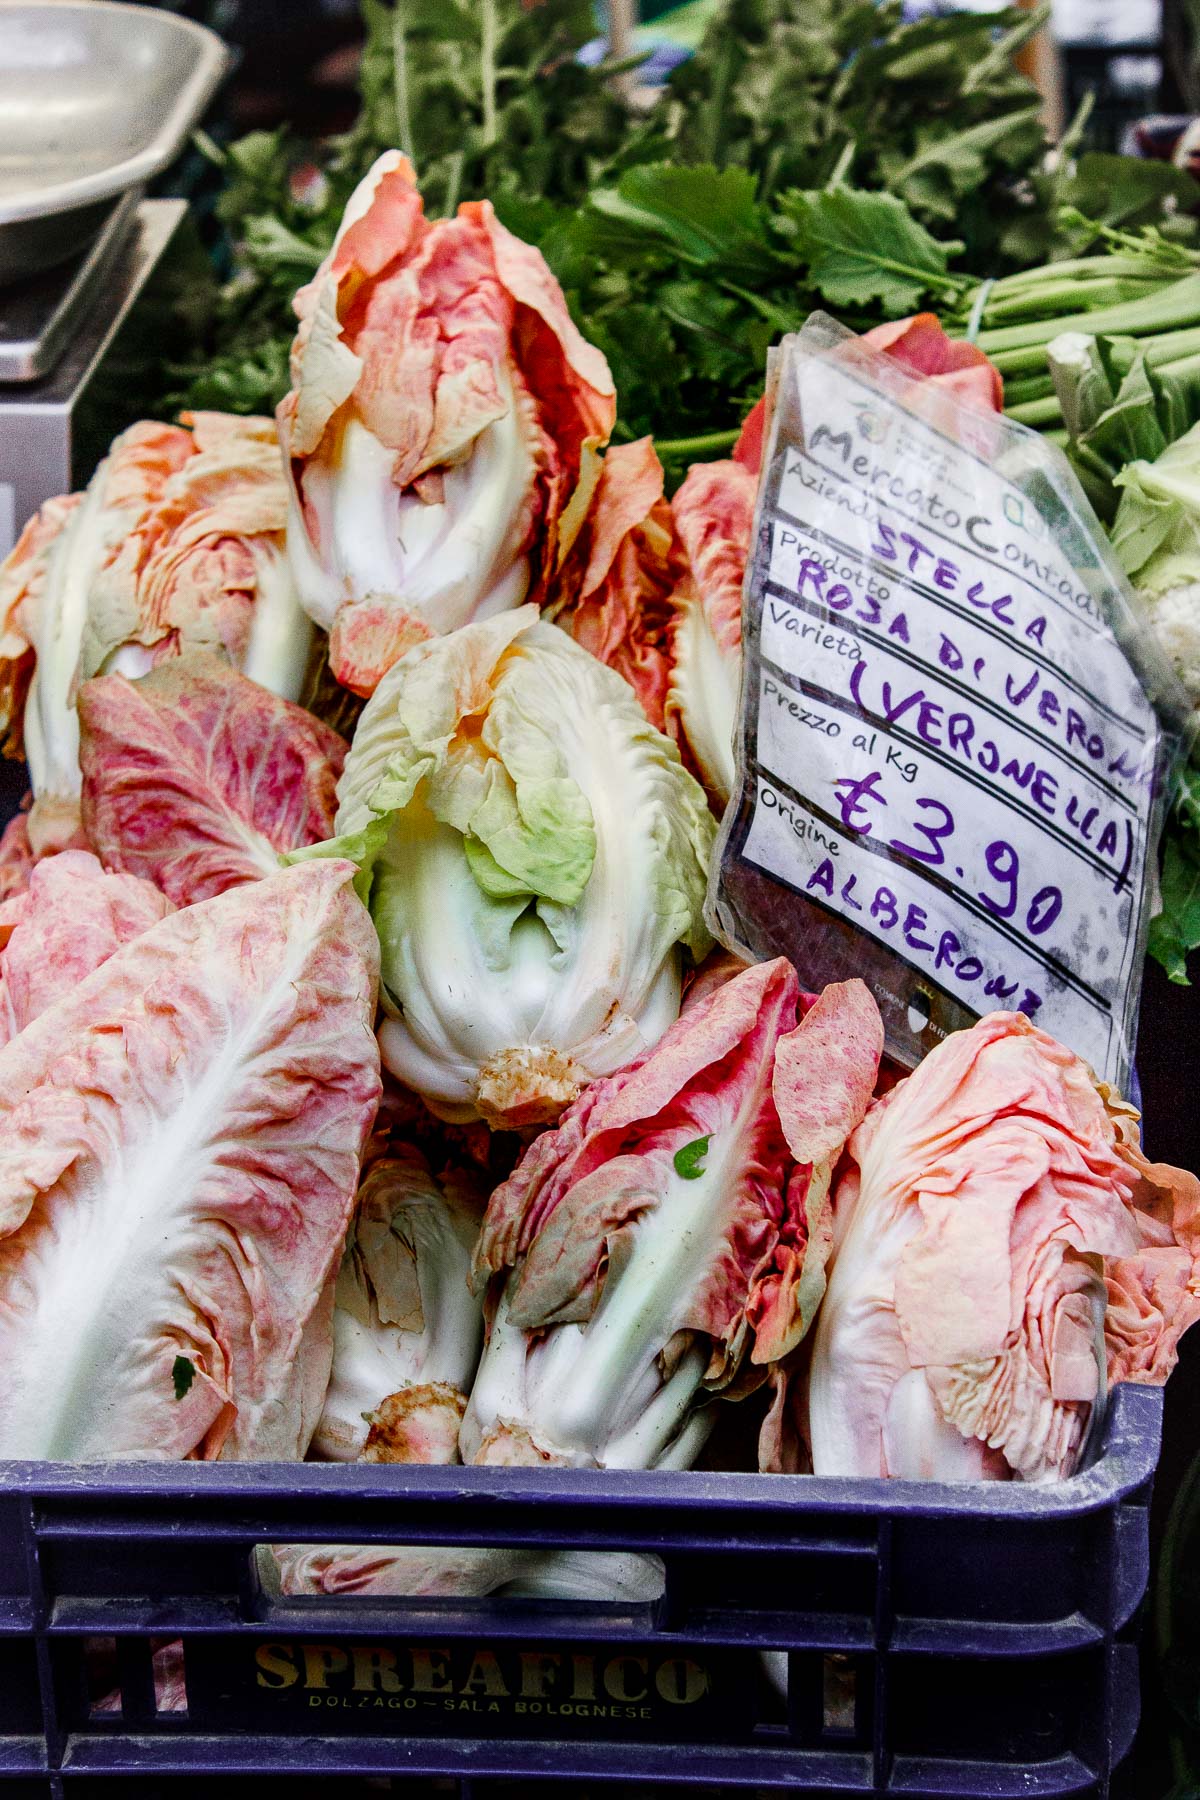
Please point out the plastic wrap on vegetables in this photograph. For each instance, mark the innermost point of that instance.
(180, 1134)
(667, 1241)
(197, 779)
(442, 403)
(614, 592)
(177, 542)
(920, 345)
(535, 858)
(713, 514)
(962, 1336)
(407, 1331)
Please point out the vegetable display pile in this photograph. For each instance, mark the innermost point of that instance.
(803, 155)
(378, 1093)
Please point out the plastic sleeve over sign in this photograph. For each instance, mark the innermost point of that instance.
(955, 737)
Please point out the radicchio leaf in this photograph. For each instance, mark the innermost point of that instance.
(197, 779)
(177, 543)
(70, 919)
(613, 592)
(713, 514)
(962, 1333)
(639, 1259)
(179, 1145)
(1153, 1293)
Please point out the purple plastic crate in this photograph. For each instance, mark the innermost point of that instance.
(942, 1642)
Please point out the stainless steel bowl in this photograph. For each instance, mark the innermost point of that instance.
(95, 98)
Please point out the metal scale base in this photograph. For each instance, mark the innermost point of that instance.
(72, 342)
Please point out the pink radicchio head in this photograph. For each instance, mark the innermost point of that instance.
(177, 543)
(962, 1333)
(197, 779)
(70, 918)
(613, 592)
(206, 567)
(1154, 1292)
(407, 1330)
(49, 604)
(441, 408)
(953, 365)
(179, 1148)
(657, 1240)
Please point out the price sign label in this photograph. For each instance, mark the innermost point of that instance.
(952, 767)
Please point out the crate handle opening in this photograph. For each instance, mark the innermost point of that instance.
(419, 1575)
(103, 1663)
(839, 1696)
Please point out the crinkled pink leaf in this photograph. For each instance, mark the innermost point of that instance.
(713, 513)
(825, 1071)
(188, 575)
(179, 1145)
(965, 1300)
(749, 447)
(568, 377)
(70, 919)
(128, 486)
(22, 584)
(1154, 1293)
(921, 346)
(432, 335)
(612, 593)
(824, 1077)
(197, 779)
(442, 408)
(16, 857)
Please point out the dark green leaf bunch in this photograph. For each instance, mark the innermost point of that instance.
(811, 152)
(805, 93)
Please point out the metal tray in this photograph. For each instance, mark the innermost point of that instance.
(95, 98)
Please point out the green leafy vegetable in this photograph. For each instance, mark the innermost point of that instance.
(1175, 932)
(942, 169)
(183, 1373)
(865, 247)
(704, 215)
(1118, 408)
(675, 233)
(689, 1159)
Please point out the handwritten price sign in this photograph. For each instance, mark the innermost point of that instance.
(951, 773)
